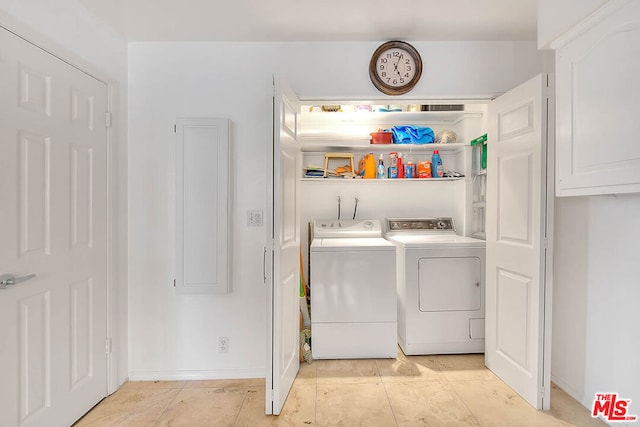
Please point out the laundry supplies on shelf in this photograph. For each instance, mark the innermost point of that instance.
(437, 171)
(409, 134)
(380, 170)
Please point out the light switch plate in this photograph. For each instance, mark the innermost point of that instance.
(254, 218)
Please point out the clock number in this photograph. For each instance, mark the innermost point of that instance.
(407, 68)
(384, 74)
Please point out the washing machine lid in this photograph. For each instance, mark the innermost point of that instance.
(435, 240)
(351, 244)
(325, 228)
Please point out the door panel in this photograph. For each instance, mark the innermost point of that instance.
(34, 164)
(34, 352)
(518, 285)
(515, 202)
(513, 293)
(81, 301)
(53, 154)
(81, 196)
(284, 290)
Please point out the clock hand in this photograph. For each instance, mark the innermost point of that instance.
(396, 64)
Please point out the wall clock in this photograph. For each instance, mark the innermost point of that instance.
(395, 67)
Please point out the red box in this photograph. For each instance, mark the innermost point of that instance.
(381, 137)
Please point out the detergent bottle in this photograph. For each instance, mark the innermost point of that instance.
(370, 166)
(437, 171)
(409, 167)
(380, 171)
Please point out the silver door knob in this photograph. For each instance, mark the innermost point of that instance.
(8, 280)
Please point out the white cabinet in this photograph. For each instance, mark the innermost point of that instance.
(597, 106)
(203, 210)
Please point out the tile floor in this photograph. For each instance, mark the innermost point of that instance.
(407, 391)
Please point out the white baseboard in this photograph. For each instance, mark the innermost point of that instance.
(571, 391)
(183, 375)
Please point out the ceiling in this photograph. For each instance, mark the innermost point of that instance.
(318, 20)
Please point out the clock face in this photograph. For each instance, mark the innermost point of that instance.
(395, 67)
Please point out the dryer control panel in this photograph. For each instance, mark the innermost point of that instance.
(426, 225)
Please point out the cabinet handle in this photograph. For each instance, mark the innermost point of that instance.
(264, 264)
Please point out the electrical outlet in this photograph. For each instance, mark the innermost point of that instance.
(254, 218)
(223, 344)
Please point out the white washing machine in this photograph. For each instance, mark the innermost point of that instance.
(353, 291)
(441, 287)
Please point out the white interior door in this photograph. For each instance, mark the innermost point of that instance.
(518, 286)
(53, 223)
(284, 290)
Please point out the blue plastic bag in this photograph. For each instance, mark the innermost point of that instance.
(412, 135)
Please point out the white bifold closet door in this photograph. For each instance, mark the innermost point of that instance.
(519, 213)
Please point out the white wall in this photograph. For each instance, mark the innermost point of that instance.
(175, 336)
(555, 17)
(65, 29)
(596, 292)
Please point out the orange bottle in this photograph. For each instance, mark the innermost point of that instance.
(370, 166)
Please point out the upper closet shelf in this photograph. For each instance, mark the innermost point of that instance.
(364, 146)
(323, 126)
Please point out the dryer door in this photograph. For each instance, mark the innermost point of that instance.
(449, 284)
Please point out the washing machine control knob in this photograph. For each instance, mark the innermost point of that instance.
(367, 224)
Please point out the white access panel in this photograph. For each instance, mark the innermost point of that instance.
(203, 233)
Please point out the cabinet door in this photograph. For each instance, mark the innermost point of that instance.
(202, 206)
(597, 105)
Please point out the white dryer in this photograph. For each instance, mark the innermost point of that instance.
(353, 291)
(441, 287)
